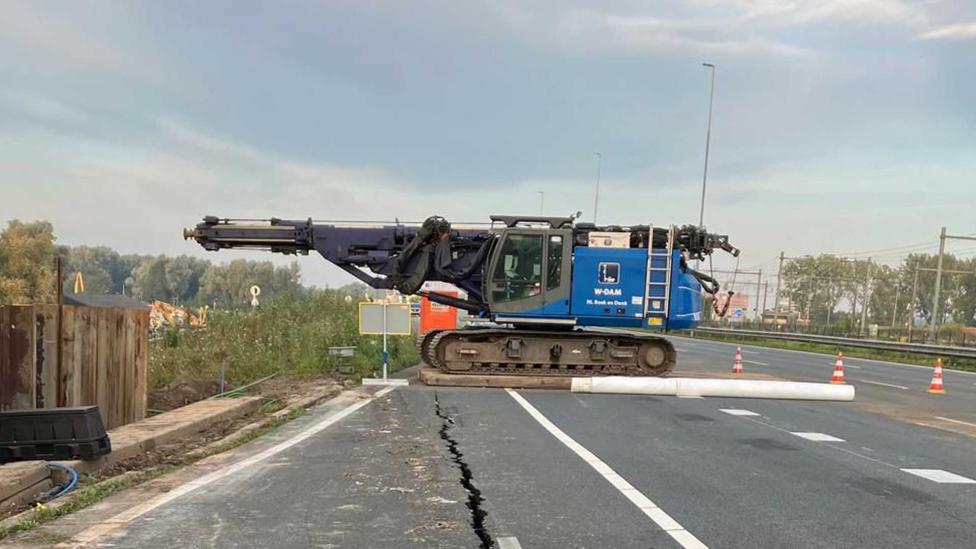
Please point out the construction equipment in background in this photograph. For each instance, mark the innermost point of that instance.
(79, 283)
(547, 288)
(163, 316)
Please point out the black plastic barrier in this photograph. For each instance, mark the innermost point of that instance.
(53, 434)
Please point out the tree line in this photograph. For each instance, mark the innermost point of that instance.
(815, 287)
(28, 253)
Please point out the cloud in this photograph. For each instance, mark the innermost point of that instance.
(55, 37)
(957, 31)
(801, 12)
(615, 31)
(38, 106)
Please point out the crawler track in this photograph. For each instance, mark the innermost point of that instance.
(547, 353)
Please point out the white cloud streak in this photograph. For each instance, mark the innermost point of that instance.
(54, 37)
(958, 31)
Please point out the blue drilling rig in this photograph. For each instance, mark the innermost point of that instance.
(545, 286)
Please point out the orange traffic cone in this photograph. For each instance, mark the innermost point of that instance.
(838, 369)
(936, 386)
(737, 366)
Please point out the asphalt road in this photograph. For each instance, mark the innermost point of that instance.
(896, 390)
(452, 467)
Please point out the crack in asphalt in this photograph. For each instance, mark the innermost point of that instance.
(475, 499)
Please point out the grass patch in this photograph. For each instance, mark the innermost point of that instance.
(855, 352)
(248, 436)
(289, 335)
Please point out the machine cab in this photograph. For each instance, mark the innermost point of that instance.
(530, 270)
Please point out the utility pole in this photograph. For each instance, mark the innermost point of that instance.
(911, 306)
(894, 310)
(866, 299)
(938, 286)
(596, 199)
(708, 139)
(542, 201)
(758, 285)
(765, 295)
(779, 282)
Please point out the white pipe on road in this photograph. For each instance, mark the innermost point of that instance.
(740, 388)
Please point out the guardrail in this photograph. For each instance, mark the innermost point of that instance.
(918, 348)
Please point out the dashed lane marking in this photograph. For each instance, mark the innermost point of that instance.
(756, 362)
(940, 476)
(737, 412)
(902, 387)
(509, 542)
(935, 475)
(690, 396)
(88, 537)
(818, 437)
(649, 508)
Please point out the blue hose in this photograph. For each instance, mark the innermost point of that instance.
(71, 483)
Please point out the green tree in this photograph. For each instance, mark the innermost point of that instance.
(94, 264)
(150, 280)
(27, 256)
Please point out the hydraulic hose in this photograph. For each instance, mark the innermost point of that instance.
(62, 489)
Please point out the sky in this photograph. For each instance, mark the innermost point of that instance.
(840, 126)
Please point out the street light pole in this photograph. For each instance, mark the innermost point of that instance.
(938, 287)
(596, 199)
(542, 201)
(708, 138)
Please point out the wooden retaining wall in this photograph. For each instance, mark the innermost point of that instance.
(97, 355)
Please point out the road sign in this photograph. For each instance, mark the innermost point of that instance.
(372, 322)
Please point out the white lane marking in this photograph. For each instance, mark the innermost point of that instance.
(648, 507)
(856, 367)
(839, 448)
(818, 437)
(955, 421)
(902, 387)
(756, 362)
(869, 360)
(737, 412)
(681, 350)
(509, 542)
(690, 396)
(87, 537)
(749, 352)
(940, 476)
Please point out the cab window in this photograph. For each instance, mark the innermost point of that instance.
(555, 269)
(518, 273)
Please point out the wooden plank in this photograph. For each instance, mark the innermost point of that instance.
(70, 378)
(119, 360)
(6, 367)
(433, 376)
(48, 315)
(89, 355)
(129, 366)
(22, 356)
(18, 476)
(141, 365)
(103, 361)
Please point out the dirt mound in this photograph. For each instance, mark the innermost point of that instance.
(180, 392)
